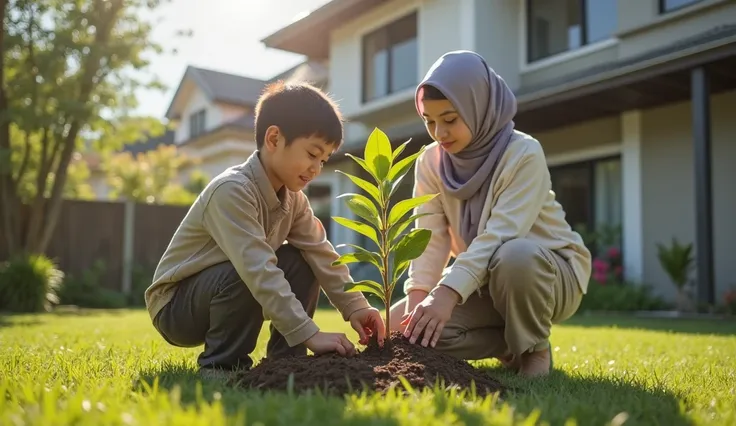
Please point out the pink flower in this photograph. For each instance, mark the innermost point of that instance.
(600, 265)
(614, 253)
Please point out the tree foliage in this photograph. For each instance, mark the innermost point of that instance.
(69, 73)
(151, 177)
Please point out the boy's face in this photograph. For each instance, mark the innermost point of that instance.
(445, 125)
(294, 166)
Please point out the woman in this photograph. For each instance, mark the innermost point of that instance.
(519, 267)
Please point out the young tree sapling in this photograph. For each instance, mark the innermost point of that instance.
(382, 223)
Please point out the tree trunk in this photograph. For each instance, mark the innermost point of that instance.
(8, 202)
(109, 14)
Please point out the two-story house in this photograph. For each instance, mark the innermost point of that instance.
(211, 115)
(633, 101)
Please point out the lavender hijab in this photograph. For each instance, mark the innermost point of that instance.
(487, 105)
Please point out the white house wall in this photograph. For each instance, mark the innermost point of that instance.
(668, 194)
(497, 37)
(197, 101)
(439, 28)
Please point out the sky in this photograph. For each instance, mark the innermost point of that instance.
(226, 37)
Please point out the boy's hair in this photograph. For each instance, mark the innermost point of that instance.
(299, 110)
(432, 93)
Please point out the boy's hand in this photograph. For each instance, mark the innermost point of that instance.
(368, 322)
(322, 343)
(431, 315)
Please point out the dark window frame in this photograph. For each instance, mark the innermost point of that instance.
(530, 35)
(663, 9)
(387, 30)
(197, 123)
(590, 169)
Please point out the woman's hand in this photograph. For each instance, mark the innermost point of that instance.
(412, 300)
(431, 315)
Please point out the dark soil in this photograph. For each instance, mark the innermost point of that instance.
(374, 368)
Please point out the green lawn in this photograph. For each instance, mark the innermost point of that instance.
(88, 369)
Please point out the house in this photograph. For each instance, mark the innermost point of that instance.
(633, 102)
(212, 114)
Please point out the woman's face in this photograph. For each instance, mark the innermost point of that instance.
(445, 125)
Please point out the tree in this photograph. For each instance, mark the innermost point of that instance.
(69, 72)
(149, 177)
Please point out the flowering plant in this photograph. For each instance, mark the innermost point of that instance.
(609, 267)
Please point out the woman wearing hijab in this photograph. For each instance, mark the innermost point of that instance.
(519, 267)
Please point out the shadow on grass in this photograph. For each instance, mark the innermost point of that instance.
(7, 320)
(75, 311)
(593, 400)
(672, 325)
(555, 399)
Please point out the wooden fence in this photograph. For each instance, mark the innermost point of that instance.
(122, 235)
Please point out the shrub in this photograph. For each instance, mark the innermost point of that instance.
(29, 283)
(85, 290)
(621, 297)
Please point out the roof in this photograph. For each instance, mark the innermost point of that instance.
(221, 87)
(315, 72)
(310, 35)
(150, 144)
(657, 77)
(600, 72)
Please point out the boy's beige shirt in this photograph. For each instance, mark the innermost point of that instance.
(520, 204)
(239, 217)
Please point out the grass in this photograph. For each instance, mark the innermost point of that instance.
(95, 368)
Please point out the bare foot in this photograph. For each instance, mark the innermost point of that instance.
(510, 361)
(535, 364)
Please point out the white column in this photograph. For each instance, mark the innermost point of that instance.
(633, 240)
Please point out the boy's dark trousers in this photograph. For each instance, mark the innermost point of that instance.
(215, 308)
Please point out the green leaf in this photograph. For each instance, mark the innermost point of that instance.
(399, 149)
(403, 166)
(360, 255)
(397, 272)
(399, 227)
(367, 286)
(358, 227)
(363, 207)
(405, 206)
(366, 186)
(365, 166)
(410, 247)
(378, 153)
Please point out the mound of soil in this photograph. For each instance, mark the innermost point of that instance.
(374, 368)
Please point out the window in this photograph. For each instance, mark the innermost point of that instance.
(590, 192)
(557, 26)
(197, 123)
(671, 5)
(320, 199)
(390, 58)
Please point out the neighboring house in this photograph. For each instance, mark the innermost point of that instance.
(212, 116)
(633, 101)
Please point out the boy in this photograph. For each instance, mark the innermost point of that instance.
(227, 267)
